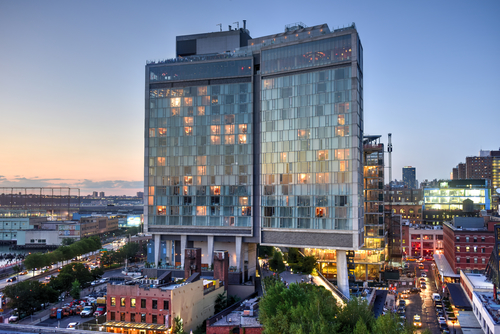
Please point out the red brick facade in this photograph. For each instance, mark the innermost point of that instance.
(230, 330)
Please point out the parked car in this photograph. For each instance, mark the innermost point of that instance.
(420, 266)
(402, 302)
(87, 311)
(423, 286)
(415, 290)
(14, 318)
(441, 320)
(423, 274)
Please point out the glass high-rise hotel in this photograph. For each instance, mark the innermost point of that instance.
(255, 141)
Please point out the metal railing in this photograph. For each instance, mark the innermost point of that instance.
(334, 289)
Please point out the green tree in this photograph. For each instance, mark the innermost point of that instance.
(67, 241)
(302, 308)
(353, 311)
(97, 273)
(220, 302)
(75, 289)
(266, 251)
(35, 260)
(130, 250)
(307, 264)
(28, 295)
(293, 255)
(276, 262)
(360, 328)
(178, 326)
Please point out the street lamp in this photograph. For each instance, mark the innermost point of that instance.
(453, 325)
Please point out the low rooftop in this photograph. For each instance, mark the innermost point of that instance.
(492, 306)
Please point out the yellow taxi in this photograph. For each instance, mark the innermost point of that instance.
(416, 321)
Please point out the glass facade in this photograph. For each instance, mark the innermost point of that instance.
(452, 199)
(200, 164)
(201, 70)
(305, 55)
(310, 151)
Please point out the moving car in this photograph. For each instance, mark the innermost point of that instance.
(416, 321)
(12, 279)
(72, 325)
(423, 286)
(14, 318)
(420, 266)
(24, 272)
(423, 274)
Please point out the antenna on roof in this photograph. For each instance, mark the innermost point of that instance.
(220, 26)
(237, 25)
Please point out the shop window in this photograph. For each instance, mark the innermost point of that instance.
(122, 316)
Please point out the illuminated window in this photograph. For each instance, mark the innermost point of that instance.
(202, 90)
(201, 210)
(161, 161)
(132, 302)
(175, 111)
(283, 157)
(246, 211)
(188, 180)
(202, 170)
(215, 140)
(228, 140)
(113, 301)
(320, 212)
(344, 166)
(175, 102)
(342, 154)
(188, 101)
(161, 210)
(341, 131)
(467, 249)
(341, 119)
(152, 132)
(214, 129)
(215, 100)
(304, 178)
(243, 200)
(242, 139)
(162, 132)
(122, 301)
(242, 128)
(201, 111)
(188, 120)
(322, 155)
(303, 134)
(229, 129)
(188, 131)
(215, 190)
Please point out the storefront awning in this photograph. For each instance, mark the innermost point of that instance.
(444, 267)
(135, 325)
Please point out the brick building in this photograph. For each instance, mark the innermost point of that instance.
(468, 243)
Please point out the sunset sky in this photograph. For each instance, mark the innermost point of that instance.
(72, 80)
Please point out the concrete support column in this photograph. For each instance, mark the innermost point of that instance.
(342, 273)
(156, 246)
(210, 250)
(252, 260)
(238, 252)
(168, 246)
(183, 248)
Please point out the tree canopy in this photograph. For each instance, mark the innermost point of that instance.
(305, 308)
(27, 296)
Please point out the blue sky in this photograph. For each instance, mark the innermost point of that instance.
(72, 79)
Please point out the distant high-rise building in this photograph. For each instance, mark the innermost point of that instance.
(140, 194)
(253, 141)
(94, 194)
(485, 166)
(409, 177)
(101, 194)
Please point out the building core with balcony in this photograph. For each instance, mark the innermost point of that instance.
(256, 141)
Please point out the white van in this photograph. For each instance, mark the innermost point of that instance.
(436, 297)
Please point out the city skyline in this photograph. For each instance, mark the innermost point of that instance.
(72, 82)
